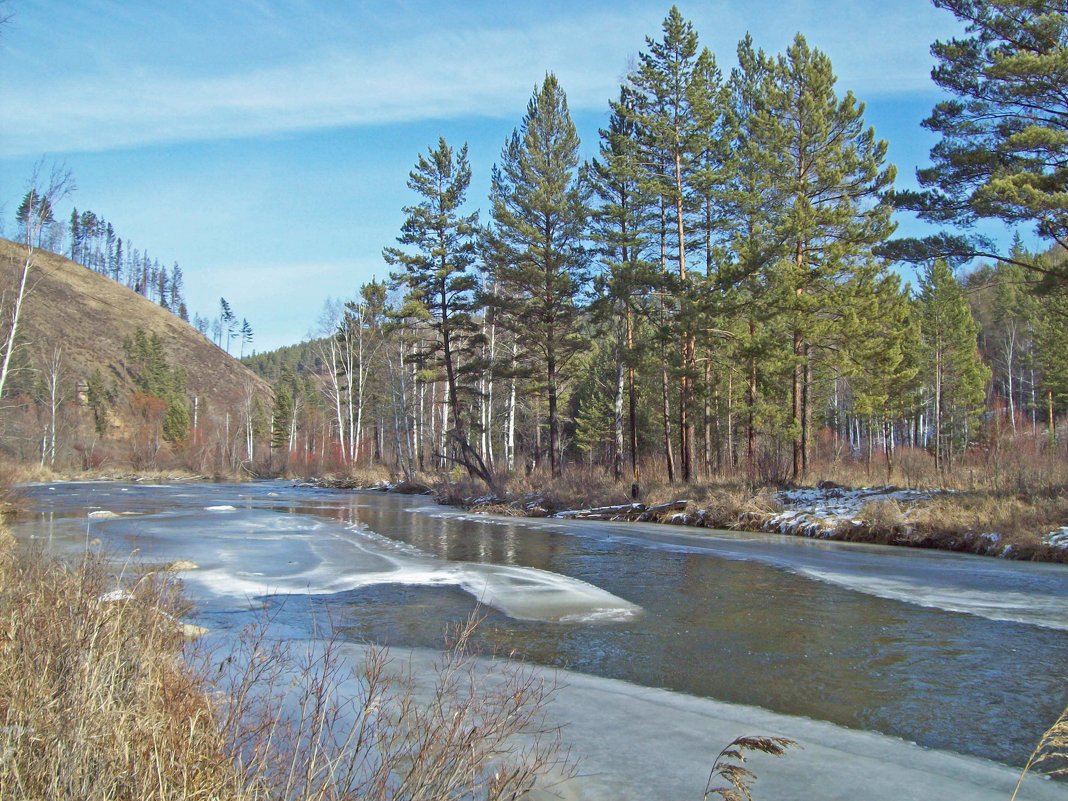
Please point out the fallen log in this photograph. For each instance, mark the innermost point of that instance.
(603, 512)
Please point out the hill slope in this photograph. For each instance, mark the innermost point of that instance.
(89, 315)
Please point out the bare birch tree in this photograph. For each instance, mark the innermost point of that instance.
(35, 219)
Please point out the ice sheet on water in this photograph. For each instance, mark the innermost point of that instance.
(1035, 594)
(635, 743)
(639, 743)
(250, 553)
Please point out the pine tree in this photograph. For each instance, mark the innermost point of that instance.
(623, 288)
(75, 234)
(752, 207)
(227, 323)
(438, 275)
(281, 414)
(539, 213)
(956, 374)
(176, 422)
(1051, 353)
(666, 87)
(176, 287)
(1004, 149)
(881, 339)
(832, 168)
(246, 335)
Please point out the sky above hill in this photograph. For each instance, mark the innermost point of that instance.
(264, 145)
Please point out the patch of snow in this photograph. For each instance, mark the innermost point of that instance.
(1057, 539)
(821, 511)
(114, 596)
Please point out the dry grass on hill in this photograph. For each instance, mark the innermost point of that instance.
(89, 315)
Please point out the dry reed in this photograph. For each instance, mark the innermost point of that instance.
(730, 766)
(94, 703)
(1050, 755)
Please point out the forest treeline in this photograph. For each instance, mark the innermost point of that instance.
(712, 295)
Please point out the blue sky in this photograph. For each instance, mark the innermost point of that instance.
(264, 145)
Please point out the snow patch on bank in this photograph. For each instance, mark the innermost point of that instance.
(822, 511)
(1057, 539)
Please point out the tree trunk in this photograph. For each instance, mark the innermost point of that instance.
(632, 411)
(750, 403)
(708, 417)
(668, 455)
(509, 440)
(617, 423)
(798, 381)
(16, 312)
(554, 431)
(806, 413)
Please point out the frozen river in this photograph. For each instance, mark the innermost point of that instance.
(926, 669)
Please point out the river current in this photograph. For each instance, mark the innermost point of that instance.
(957, 654)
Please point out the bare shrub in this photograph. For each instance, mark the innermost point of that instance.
(307, 727)
(773, 466)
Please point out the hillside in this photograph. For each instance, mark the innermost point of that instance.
(89, 316)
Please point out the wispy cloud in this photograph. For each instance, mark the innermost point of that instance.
(452, 74)
(410, 75)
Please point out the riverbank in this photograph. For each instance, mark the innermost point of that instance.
(101, 699)
(1020, 525)
(1009, 526)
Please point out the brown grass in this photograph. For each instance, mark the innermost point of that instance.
(1050, 755)
(94, 703)
(538, 493)
(68, 298)
(1023, 500)
(1020, 522)
(730, 767)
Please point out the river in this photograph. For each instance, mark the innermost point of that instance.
(960, 655)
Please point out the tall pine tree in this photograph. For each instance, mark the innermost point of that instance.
(956, 375)
(539, 215)
(834, 177)
(437, 271)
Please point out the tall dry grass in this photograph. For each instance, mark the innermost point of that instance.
(1050, 756)
(730, 768)
(307, 727)
(95, 702)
